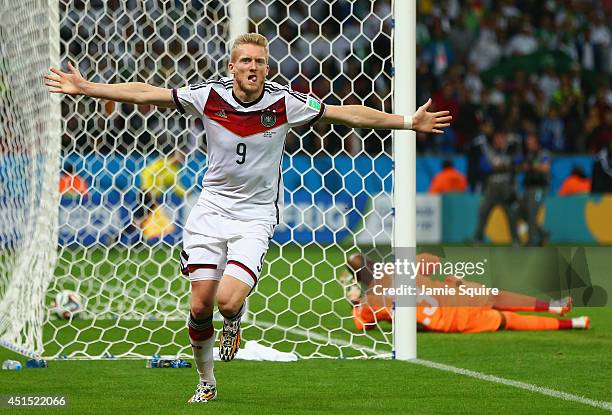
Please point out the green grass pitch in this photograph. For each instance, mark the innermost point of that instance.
(574, 362)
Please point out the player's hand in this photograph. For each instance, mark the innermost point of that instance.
(70, 83)
(430, 122)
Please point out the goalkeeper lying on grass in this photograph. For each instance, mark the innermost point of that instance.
(452, 314)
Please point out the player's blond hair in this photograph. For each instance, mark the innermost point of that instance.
(249, 39)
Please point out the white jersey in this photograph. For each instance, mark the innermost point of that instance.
(245, 144)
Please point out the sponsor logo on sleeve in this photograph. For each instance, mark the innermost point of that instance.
(314, 104)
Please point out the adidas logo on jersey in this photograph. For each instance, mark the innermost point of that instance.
(221, 114)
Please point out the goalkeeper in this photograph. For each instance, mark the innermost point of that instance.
(447, 314)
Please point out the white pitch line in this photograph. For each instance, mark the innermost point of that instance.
(515, 383)
(447, 368)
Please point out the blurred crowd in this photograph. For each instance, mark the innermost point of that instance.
(526, 66)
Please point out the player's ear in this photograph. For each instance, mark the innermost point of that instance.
(267, 69)
(231, 67)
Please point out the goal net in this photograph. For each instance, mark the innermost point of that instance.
(29, 168)
(118, 242)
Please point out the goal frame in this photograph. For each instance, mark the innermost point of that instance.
(404, 162)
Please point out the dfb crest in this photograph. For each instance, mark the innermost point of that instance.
(268, 118)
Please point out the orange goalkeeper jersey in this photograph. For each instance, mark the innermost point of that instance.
(457, 319)
(432, 318)
(454, 313)
(440, 313)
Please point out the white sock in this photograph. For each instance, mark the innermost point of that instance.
(556, 306)
(203, 356)
(203, 349)
(581, 322)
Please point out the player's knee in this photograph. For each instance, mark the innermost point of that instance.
(201, 309)
(229, 306)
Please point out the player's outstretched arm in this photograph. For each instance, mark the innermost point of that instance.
(73, 83)
(359, 116)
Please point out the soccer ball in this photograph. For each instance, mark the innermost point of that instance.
(67, 304)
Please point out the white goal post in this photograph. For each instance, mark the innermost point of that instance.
(116, 244)
(404, 155)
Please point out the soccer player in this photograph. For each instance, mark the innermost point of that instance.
(451, 314)
(227, 233)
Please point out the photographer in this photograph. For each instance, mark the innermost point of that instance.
(498, 160)
(536, 167)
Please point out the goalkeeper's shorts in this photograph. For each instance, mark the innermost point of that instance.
(229, 247)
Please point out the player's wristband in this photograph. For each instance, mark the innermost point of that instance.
(407, 122)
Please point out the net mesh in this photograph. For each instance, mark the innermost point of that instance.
(119, 250)
(29, 163)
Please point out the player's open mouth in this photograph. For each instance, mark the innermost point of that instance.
(252, 79)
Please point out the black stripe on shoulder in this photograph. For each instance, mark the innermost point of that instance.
(299, 98)
(283, 87)
(296, 96)
(206, 83)
(198, 85)
(177, 102)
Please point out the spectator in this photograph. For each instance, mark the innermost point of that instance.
(487, 50)
(602, 42)
(567, 45)
(476, 176)
(575, 183)
(551, 131)
(509, 10)
(473, 83)
(71, 184)
(586, 50)
(438, 52)
(602, 171)
(549, 81)
(448, 180)
(447, 98)
(592, 122)
(461, 38)
(536, 166)
(546, 33)
(523, 43)
(499, 162)
(601, 135)
(497, 98)
(566, 90)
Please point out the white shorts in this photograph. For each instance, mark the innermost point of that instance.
(223, 246)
